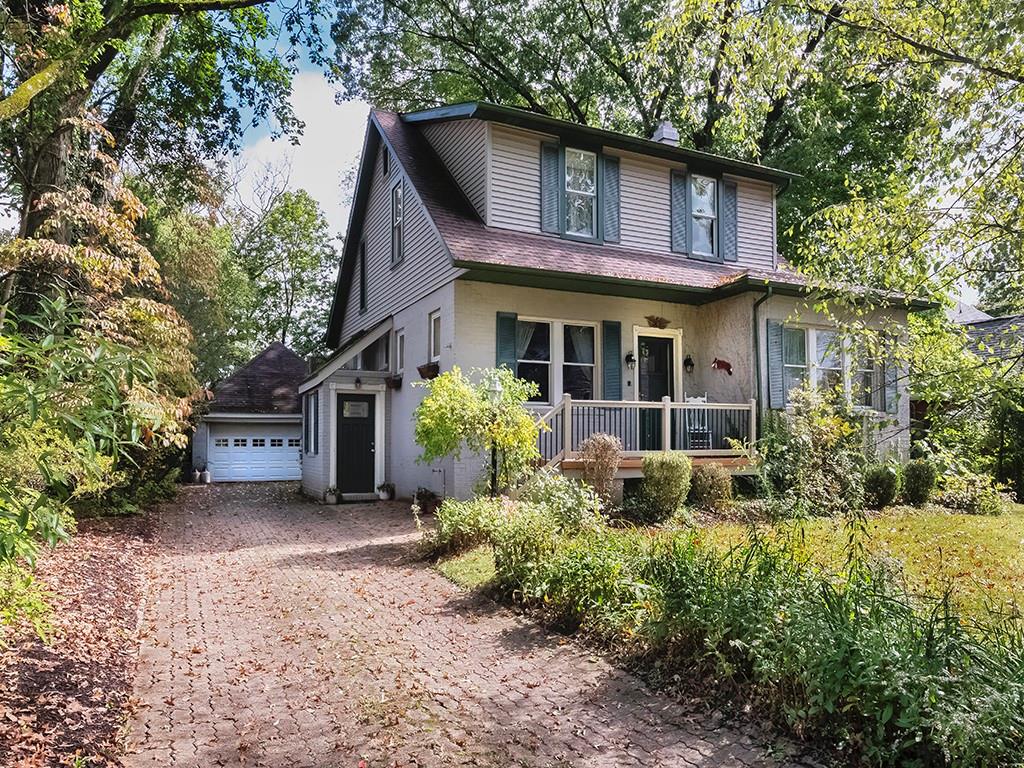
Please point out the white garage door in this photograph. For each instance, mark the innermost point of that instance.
(254, 451)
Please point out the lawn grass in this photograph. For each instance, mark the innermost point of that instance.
(470, 569)
(980, 557)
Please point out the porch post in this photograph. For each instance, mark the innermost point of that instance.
(753, 422)
(567, 424)
(666, 423)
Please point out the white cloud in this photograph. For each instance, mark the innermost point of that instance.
(329, 146)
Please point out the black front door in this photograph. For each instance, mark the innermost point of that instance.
(356, 434)
(654, 360)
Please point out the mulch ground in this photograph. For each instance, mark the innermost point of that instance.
(67, 699)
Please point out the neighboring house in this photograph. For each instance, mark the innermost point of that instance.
(998, 340)
(253, 428)
(623, 275)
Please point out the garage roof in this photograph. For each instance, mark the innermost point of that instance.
(269, 383)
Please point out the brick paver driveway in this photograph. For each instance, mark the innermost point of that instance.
(282, 633)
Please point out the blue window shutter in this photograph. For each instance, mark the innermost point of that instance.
(680, 215)
(610, 201)
(611, 360)
(505, 340)
(776, 380)
(729, 244)
(550, 188)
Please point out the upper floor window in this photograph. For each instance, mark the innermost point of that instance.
(397, 223)
(434, 341)
(580, 193)
(362, 277)
(385, 161)
(704, 216)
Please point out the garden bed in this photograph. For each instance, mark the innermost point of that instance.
(65, 701)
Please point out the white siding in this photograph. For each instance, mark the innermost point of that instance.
(755, 223)
(646, 218)
(462, 147)
(646, 209)
(425, 267)
(515, 179)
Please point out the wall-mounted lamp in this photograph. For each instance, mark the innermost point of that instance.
(359, 383)
(688, 364)
(630, 360)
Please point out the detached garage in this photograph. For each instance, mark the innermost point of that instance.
(253, 431)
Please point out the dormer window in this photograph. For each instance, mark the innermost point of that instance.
(704, 216)
(580, 193)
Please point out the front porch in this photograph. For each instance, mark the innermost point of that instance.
(710, 433)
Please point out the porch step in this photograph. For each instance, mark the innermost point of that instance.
(632, 466)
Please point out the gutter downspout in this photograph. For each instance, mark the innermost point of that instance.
(757, 358)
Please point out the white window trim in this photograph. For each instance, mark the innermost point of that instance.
(431, 356)
(399, 351)
(846, 362)
(398, 223)
(556, 379)
(566, 191)
(713, 219)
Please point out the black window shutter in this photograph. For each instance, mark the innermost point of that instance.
(610, 202)
(680, 216)
(729, 244)
(611, 360)
(776, 378)
(505, 340)
(550, 188)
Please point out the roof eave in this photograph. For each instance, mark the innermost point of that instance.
(567, 130)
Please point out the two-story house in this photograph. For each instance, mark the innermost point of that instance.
(636, 282)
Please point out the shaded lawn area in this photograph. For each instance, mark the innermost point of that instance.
(980, 557)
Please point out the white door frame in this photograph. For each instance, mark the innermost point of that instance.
(676, 334)
(379, 446)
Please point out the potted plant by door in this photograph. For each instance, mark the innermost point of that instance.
(427, 501)
(204, 476)
(386, 491)
(331, 495)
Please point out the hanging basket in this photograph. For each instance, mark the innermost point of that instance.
(428, 370)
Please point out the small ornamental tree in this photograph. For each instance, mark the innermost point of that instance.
(483, 413)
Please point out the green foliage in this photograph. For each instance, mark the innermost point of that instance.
(664, 488)
(812, 455)
(22, 601)
(919, 476)
(711, 487)
(573, 504)
(856, 661)
(972, 494)
(882, 484)
(462, 525)
(460, 414)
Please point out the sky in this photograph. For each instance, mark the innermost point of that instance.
(328, 148)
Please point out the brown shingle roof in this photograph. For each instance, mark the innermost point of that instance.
(473, 243)
(267, 384)
(998, 338)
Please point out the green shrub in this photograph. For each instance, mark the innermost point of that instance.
(711, 487)
(522, 540)
(601, 455)
(919, 477)
(972, 494)
(462, 525)
(571, 503)
(881, 485)
(663, 489)
(813, 456)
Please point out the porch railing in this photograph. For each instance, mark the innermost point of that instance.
(699, 429)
